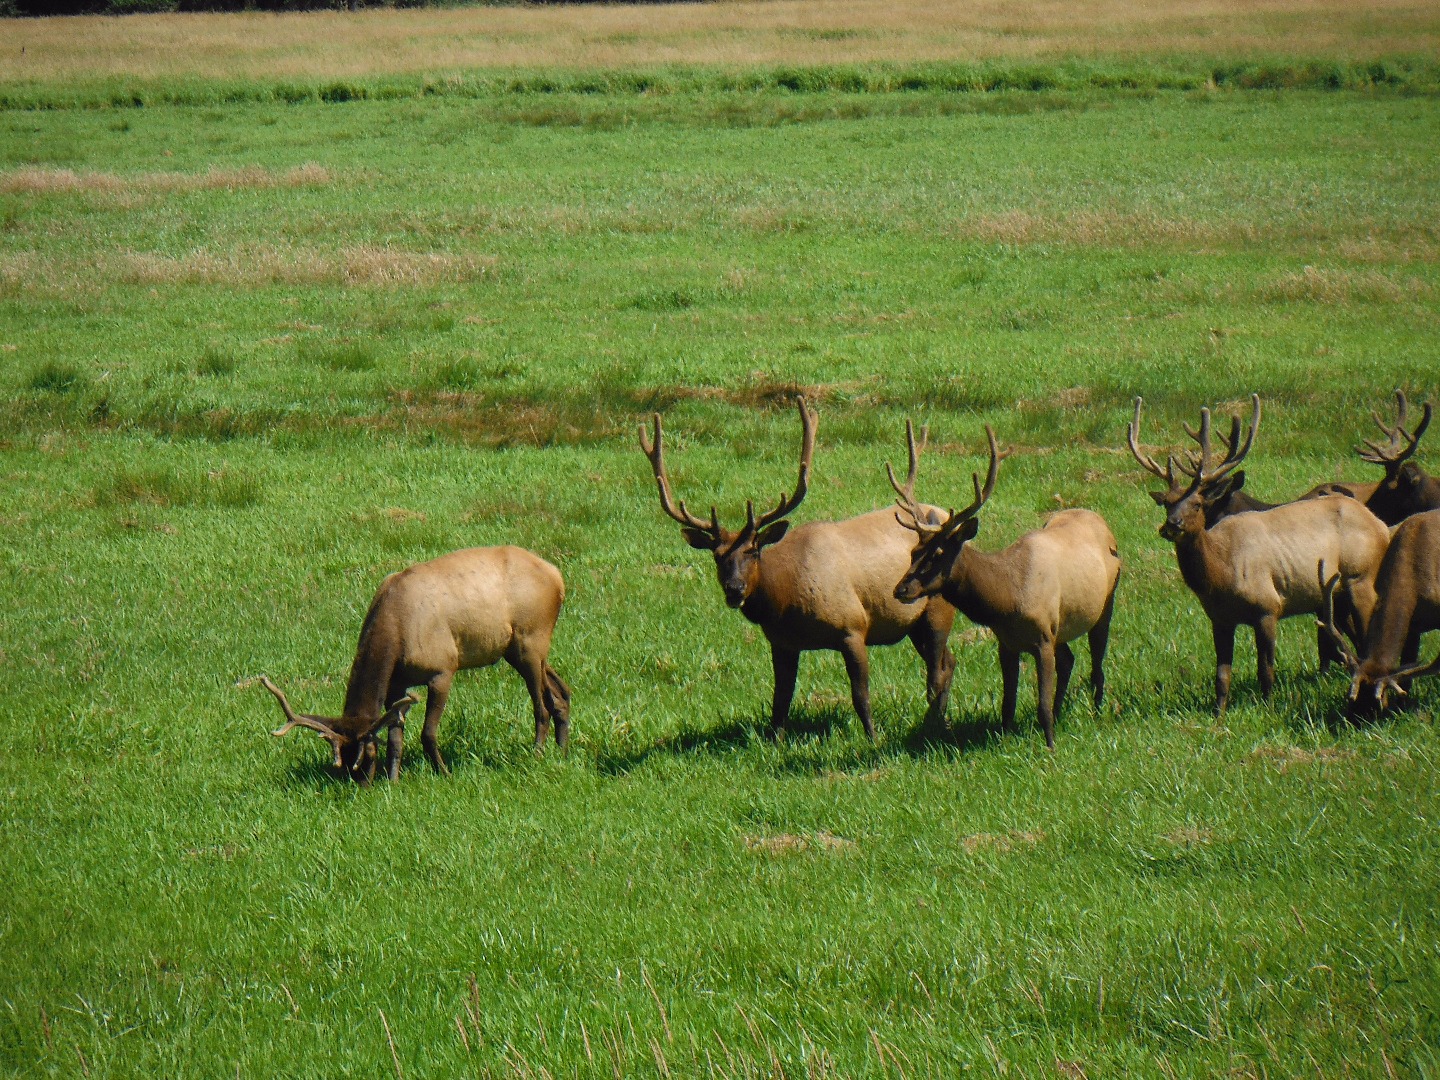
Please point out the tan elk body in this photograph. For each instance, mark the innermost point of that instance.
(467, 609)
(1408, 585)
(1258, 567)
(1049, 587)
(822, 585)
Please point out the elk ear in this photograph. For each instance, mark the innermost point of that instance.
(1225, 488)
(967, 531)
(1408, 476)
(772, 534)
(1158, 496)
(699, 538)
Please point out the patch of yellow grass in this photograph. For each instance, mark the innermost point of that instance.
(362, 265)
(30, 180)
(338, 44)
(792, 844)
(1001, 842)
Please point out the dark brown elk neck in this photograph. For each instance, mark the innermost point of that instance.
(370, 673)
(1199, 561)
(981, 584)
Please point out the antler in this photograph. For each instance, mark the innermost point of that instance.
(1133, 436)
(294, 719)
(1414, 671)
(1402, 444)
(656, 453)
(1328, 622)
(789, 502)
(982, 495)
(1199, 466)
(906, 501)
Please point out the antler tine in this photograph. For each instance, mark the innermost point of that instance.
(1414, 671)
(982, 495)
(907, 491)
(1327, 623)
(1133, 437)
(1234, 457)
(293, 719)
(655, 451)
(1402, 444)
(789, 502)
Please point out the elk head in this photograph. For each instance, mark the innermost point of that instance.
(1370, 684)
(351, 738)
(1393, 499)
(1193, 506)
(737, 554)
(939, 542)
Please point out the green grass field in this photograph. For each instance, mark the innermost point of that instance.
(255, 356)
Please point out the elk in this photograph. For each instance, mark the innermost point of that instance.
(1406, 488)
(1408, 584)
(823, 585)
(1039, 594)
(1257, 567)
(467, 609)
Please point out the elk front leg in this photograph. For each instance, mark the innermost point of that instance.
(394, 743)
(857, 666)
(786, 665)
(1010, 687)
(1045, 695)
(1224, 636)
(929, 638)
(435, 698)
(1265, 631)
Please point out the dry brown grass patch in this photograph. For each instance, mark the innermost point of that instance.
(1189, 836)
(251, 267)
(1287, 757)
(793, 844)
(35, 180)
(333, 44)
(1332, 287)
(1002, 842)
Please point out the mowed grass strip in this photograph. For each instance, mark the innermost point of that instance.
(206, 476)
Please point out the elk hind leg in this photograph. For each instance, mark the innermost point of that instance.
(556, 699)
(529, 663)
(1099, 642)
(1064, 665)
(1045, 670)
(436, 695)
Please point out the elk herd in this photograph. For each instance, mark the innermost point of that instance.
(1364, 559)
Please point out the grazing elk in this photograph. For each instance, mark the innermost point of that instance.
(1409, 587)
(823, 585)
(464, 610)
(1037, 595)
(1255, 568)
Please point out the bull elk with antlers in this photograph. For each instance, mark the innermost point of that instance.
(1257, 567)
(1406, 488)
(1409, 586)
(822, 585)
(468, 609)
(1043, 591)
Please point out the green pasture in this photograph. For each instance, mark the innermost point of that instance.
(254, 356)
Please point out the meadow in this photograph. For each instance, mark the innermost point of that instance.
(257, 351)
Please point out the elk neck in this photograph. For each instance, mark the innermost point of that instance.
(980, 585)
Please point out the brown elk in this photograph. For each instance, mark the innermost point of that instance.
(1255, 568)
(1409, 586)
(1406, 488)
(1037, 595)
(823, 585)
(467, 609)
